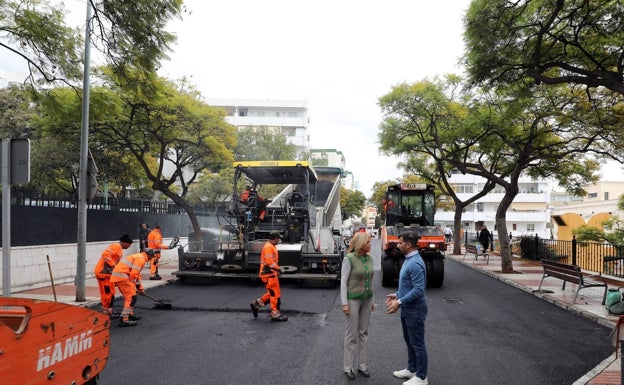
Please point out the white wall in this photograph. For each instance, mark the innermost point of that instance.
(29, 265)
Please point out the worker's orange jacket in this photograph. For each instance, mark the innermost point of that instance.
(129, 268)
(269, 260)
(245, 195)
(109, 259)
(154, 240)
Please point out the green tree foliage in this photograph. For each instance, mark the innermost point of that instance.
(15, 112)
(56, 145)
(500, 135)
(427, 123)
(130, 34)
(211, 189)
(171, 135)
(352, 203)
(550, 41)
(262, 143)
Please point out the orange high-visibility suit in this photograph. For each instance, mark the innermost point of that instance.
(154, 241)
(127, 277)
(269, 268)
(261, 203)
(103, 270)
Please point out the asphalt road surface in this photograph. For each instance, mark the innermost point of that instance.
(479, 331)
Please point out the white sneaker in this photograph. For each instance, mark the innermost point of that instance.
(416, 381)
(405, 373)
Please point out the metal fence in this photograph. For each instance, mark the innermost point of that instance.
(38, 219)
(111, 203)
(598, 257)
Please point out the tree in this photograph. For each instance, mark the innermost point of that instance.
(15, 112)
(171, 134)
(130, 34)
(212, 189)
(351, 203)
(505, 133)
(262, 143)
(549, 41)
(56, 126)
(427, 123)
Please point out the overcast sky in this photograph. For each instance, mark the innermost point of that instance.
(340, 56)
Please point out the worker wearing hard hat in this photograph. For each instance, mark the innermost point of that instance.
(127, 277)
(104, 268)
(269, 270)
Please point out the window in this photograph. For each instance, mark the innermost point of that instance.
(466, 189)
(243, 112)
(531, 227)
(592, 195)
(606, 196)
(292, 114)
(260, 113)
(480, 207)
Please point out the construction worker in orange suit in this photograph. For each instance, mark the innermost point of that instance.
(127, 277)
(269, 270)
(104, 268)
(154, 242)
(261, 204)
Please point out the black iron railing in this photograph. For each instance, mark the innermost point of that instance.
(111, 203)
(598, 257)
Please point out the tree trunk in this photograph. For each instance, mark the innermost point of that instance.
(188, 209)
(503, 236)
(457, 235)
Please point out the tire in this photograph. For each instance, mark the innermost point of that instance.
(388, 267)
(435, 271)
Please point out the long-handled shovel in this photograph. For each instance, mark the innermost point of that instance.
(51, 277)
(160, 305)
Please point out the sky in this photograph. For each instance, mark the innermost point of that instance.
(340, 56)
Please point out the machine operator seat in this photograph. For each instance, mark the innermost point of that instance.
(297, 200)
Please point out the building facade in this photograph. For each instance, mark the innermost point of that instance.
(288, 117)
(328, 157)
(600, 203)
(529, 214)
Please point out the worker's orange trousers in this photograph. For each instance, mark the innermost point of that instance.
(154, 265)
(273, 294)
(107, 291)
(128, 290)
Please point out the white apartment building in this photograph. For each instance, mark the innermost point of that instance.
(529, 214)
(289, 117)
(329, 157)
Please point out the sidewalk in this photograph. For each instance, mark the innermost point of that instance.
(527, 277)
(66, 292)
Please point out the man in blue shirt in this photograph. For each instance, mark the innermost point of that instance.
(410, 297)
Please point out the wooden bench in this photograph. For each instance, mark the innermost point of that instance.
(572, 273)
(472, 249)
